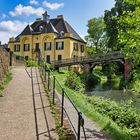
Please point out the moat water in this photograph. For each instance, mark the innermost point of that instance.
(117, 95)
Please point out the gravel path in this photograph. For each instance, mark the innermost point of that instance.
(17, 111)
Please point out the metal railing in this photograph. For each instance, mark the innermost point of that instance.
(51, 83)
(90, 59)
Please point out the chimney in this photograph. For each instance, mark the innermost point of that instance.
(60, 17)
(46, 17)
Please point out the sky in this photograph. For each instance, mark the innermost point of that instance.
(16, 14)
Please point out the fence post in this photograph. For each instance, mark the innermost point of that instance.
(53, 88)
(42, 67)
(45, 72)
(62, 108)
(79, 123)
(48, 80)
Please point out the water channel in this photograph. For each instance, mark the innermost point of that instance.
(118, 96)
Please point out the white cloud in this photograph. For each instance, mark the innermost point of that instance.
(4, 37)
(12, 26)
(21, 10)
(53, 6)
(34, 2)
(10, 29)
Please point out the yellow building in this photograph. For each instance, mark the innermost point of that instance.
(54, 39)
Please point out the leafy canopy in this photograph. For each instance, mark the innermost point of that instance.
(130, 37)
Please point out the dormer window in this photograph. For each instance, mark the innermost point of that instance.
(61, 33)
(40, 28)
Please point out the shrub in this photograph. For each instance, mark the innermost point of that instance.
(73, 81)
(92, 80)
(123, 114)
(30, 63)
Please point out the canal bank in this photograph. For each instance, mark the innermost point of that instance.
(106, 113)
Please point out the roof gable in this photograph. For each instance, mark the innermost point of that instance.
(27, 31)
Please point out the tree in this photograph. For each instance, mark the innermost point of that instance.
(130, 37)
(96, 30)
(111, 17)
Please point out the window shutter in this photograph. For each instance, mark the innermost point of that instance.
(28, 47)
(50, 45)
(19, 48)
(56, 45)
(62, 45)
(44, 46)
(14, 48)
(24, 47)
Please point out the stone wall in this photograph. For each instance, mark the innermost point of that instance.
(4, 62)
(17, 62)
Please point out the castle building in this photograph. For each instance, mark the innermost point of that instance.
(54, 39)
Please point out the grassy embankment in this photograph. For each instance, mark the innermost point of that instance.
(5, 81)
(86, 105)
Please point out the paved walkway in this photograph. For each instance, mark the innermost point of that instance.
(20, 119)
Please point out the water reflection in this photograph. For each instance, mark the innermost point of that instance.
(117, 95)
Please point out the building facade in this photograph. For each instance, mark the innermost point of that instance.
(54, 39)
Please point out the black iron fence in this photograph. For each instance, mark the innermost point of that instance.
(52, 85)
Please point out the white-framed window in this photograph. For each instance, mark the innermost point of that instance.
(75, 46)
(60, 45)
(16, 48)
(82, 48)
(26, 47)
(47, 46)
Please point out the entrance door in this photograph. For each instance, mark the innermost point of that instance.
(37, 49)
(48, 58)
(11, 58)
(59, 57)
